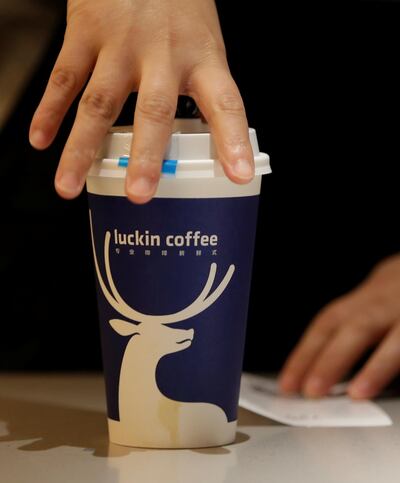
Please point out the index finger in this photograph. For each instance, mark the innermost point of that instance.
(303, 355)
(312, 343)
(219, 99)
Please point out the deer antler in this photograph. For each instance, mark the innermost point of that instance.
(203, 301)
(106, 293)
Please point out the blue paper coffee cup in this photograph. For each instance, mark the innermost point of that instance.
(173, 280)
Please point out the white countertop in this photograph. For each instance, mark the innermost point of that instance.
(53, 430)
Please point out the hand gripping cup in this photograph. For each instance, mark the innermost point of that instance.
(173, 282)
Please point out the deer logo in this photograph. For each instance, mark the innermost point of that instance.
(148, 417)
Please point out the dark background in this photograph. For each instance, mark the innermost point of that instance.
(320, 86)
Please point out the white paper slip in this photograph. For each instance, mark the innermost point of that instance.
(260, 395)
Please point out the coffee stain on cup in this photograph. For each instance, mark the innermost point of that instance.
(168, 412)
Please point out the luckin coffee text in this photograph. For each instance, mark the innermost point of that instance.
(147, 239)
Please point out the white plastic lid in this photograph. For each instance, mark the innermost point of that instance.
(190, 153)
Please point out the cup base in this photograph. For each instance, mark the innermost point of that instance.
(119, 434)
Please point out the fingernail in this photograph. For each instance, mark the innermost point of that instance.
(314, 387)
(37, 139)
(69, 181)
(141, 186)
(359, 388)
(287, 383)
(243, 169)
